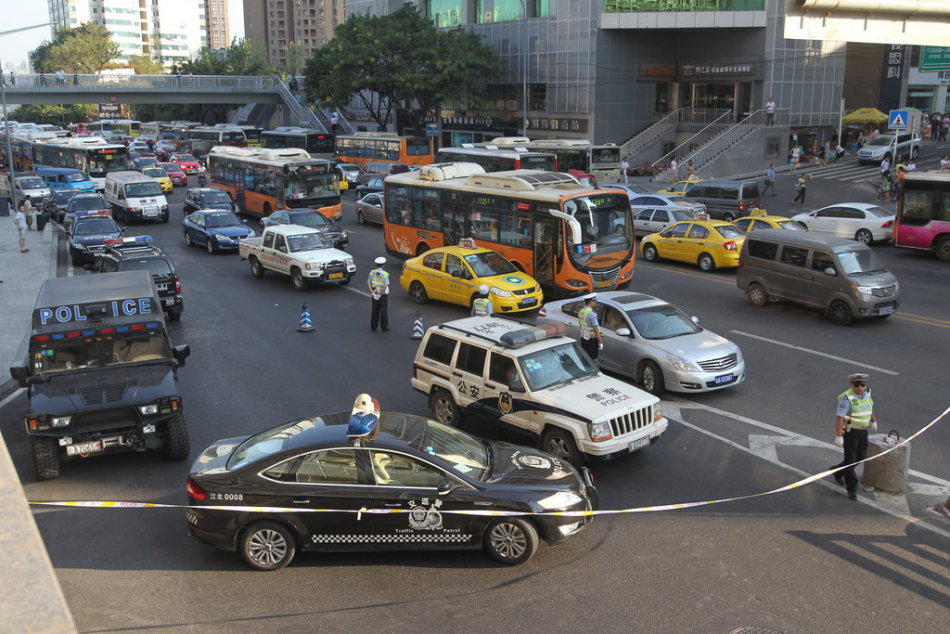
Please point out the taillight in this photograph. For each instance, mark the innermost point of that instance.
(729, 246)
(177, 284)
(887, 224)
(542, 312)
(195, 492)
(741, 206)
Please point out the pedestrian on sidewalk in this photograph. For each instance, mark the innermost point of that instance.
(800, 187)
(624, 166)
(796, 156)
(19, 220)
(29, 211)
(769, 180)
(853, 418)
(770, 111)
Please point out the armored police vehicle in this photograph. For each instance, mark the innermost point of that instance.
(101, 372)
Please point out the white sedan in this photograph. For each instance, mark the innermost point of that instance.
(863, 222)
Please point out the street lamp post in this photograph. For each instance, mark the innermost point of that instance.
(524, 71)
(11, 173)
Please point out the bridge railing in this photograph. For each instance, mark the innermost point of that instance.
(146, 82)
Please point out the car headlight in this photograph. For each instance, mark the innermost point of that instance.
(78, 245)
(500, 292)
(864, 290)
(61, 421)
(560, 500)
(314, 266)
(600, 432)
(148, 410)
(680, 363)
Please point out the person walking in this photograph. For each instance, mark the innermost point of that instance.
(591, 340)
(19, 220)
(770, 112)
(690, 170)
(800, 186)
(624, 166)
(482, 307)
(853, 418)
(12, 79)
(378, 283)
(769, 180)
(885, 166)
(334, 119)
(796, 156)
(29, 211)
(674, 170)
(884, 188)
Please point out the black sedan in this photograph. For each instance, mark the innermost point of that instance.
(312, 219)
(55, 206)
(372, 186)
(404, 490)
(207, 198)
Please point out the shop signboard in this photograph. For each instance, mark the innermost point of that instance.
(934, 58)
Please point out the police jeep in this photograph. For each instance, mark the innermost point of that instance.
(100, 372)
(138, 253)
(537, 381)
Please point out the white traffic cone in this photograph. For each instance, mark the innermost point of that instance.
(305, 324)
(417, 328)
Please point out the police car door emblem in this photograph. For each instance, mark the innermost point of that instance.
(505, 402)
(424, 516)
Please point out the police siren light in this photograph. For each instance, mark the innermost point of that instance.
(364, 418)
(524, 336)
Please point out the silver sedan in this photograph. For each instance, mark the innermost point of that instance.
(369, 208)
(655, 343)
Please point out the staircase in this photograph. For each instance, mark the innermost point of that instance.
(727, 153)
(641, 147)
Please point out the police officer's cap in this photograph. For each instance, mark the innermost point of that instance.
(858, 378)
(483, 289)
(587, 298)
(380, 260)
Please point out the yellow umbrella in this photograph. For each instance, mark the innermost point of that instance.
(865, 115)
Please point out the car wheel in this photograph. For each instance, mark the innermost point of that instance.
(864, 236)
(267, 546)
(257, 269)
(444, 408)
(298, 280)
(45, 457)
(209, 244)
(706, 263)
(360, 218)
(651, 378)
(649, 252)
(511, 541)
(176, 445)
(418, 293)
(560, 444)
(942, 249)
(757, 295)
(839, 313)
(727, 217)
(188, 240)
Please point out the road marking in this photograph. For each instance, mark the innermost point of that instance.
(923, 319)
(765, 446)
(815, 352)
(669, 266)
(12, 396)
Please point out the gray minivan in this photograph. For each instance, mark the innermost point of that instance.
(726, 200)
(840, 277)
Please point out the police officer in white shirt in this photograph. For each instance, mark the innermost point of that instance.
(378, 283)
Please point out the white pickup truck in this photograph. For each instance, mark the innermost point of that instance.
(300, 252)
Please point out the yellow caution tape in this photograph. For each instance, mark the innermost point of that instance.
(487, 513)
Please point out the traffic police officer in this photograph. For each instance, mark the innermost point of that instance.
(481, 306)
(854, 417)
(378, 283)
(591, 340)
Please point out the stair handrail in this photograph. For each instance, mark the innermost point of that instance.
(650, 132)
(724, 140)
(675, 150)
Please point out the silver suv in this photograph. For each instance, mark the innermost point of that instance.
(881, 147)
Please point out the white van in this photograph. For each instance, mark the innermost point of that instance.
(135, 196)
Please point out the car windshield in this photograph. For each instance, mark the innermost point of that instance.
(556, 365)
(155, 172)
(680, 215)
(308, 219)
(214, 198)
(347, 167)
(860, 262)
(63, 355)
(605, 224)
(306, 242)
(93, 226)
(169, 167)
(463, 453)
(793, 225)
(222, 220)
(682, 201)
(135, 190)
(76, 177)
(881, 140)
(32, 183)
(662, 322)
(488, 263)
(87, 203)
(63, 196)
(729, 231)
(186, 158)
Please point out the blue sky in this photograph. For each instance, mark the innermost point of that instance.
(16, 46)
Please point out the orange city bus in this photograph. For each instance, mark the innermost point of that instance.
(262, 181)
(363, 147)
(572, 238)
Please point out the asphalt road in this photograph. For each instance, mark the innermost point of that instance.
(803, 560)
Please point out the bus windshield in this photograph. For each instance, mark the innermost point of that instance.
(605, 225)
(102, 164)
(311, 184)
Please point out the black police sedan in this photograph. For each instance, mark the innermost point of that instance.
(403, 490)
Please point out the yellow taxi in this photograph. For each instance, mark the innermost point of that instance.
(711, 244)
(454, 274)
(760, 219)
(161, 176)
(680, 187)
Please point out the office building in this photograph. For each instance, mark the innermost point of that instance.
(278, 23)
(217, 24)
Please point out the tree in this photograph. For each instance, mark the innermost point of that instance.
(144, 65)
(295, 54)
(55, 114)
(400, 61)
(85, 49)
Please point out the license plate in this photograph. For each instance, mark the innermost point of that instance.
(334, 276)
(640, 442)
(84, 448)
(725, 378)
(887, 310)
(530, 301)
(604, 283)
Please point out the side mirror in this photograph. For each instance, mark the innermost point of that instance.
(830, 271)
(181, 353)
(623, 332)
(446, 487)
(20, 374)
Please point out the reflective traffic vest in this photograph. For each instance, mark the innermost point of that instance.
(481, 307)
(861, 408)
(582, 315)
(379, 280)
